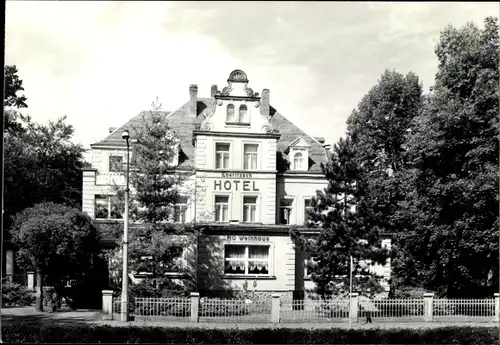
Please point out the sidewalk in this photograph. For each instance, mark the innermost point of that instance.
(29, 314)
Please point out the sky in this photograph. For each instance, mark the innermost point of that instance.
(100, 63)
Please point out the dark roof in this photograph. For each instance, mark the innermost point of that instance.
(183, 125)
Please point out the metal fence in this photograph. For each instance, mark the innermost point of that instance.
(400, 310)
(310, 310)
(234, 310)
(464, 309)
(323, 310)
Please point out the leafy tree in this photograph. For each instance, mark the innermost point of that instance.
(13, 85)
(155, 243)
(343, 219)
(41, 164)
(56, 241)
(378, 128)
(450, 212)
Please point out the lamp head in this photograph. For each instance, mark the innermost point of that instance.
(126, 134)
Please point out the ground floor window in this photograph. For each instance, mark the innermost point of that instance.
(247, 259)
(106, 207)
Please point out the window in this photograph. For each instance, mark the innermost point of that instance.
(246, 259)
(115, 163)
(222, 156)
(308, 260)
(286, 207)
(307, 208)
(221, 208)
(230, 117)
(180, 209)
(298, 161)
(244, 116)
(250, 154)
(106, 207)
(249, 208)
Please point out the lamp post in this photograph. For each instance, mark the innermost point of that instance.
(124, 309)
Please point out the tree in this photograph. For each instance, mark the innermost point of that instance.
(155, 244)
(56, 241)
(13, 85)
(378, 129)
(342, 217)
(450, 243)
(41, 164)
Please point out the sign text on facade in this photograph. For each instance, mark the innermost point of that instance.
(247, 238)
(246, 186)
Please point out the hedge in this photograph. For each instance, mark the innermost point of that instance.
(89, 333)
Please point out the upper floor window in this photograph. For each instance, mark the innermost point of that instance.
(249, 208)
(221, 208)
(115, 163)
(230, 116)
(286, 208)
(180, 209)
(244, 117)
(307, 208)
(250, 155)
(299, 154)
(222, 155)
(105, 207)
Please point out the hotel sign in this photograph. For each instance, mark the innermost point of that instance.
(238, 184)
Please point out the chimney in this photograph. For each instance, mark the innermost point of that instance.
(213, 91)
(193, 99)
(112, 129)
(264, 103)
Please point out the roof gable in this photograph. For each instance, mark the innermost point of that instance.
(183, 125)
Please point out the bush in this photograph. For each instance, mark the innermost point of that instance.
(16, 295)
(87, 333)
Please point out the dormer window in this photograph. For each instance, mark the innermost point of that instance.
(298, 161)
(299, 155)
(230, 113)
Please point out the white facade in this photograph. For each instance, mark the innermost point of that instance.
(254, 174)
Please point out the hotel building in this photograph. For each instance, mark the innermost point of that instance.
(253, 174)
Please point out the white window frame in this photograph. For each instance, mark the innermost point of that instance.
(235, 115)
(247, 114)
(257, 208)
(305, 207)
(307, 260)
(270, 259)
(292, 219)
(121, 165)
(228, 195)
(217, 152)
(257, 166)
(181, 205)
(108, 206)
(305, 158)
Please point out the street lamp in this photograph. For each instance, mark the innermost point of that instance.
(124, 309)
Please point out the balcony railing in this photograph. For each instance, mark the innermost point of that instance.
(110, 178)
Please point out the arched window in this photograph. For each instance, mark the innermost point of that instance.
(298, 161)
(230, 113)
(244, 114)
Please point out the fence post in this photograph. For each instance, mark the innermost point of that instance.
(428, 306)
(275, 308)
(497, 306)
(195, 306)
(107, 304)
(353, 307)
(31, 281)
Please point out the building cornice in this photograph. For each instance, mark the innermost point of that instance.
(237, 135)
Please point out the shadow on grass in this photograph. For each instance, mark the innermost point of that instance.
(10, 317)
